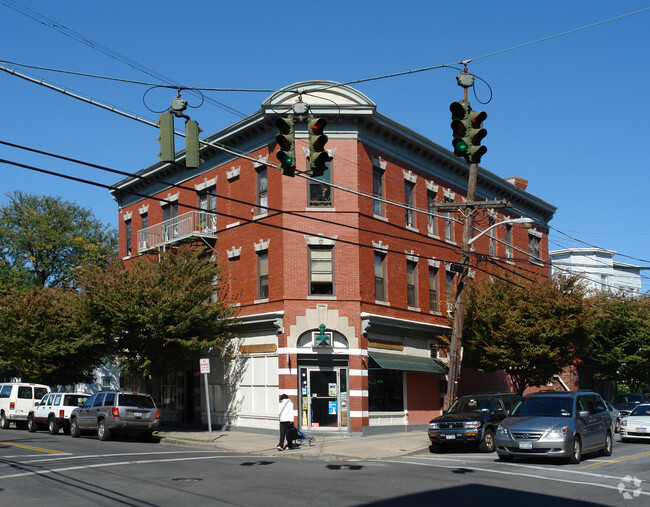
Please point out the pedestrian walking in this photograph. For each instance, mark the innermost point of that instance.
(286, 421)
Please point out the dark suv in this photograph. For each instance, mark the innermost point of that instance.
(112, 412)
(471, 420)
(556, 425)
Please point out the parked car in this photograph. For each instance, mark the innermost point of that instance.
(471, 420)
(16, 400)
(111, 412)
(637, 424)
(556, 425)
(615, 415)
(53, 412)
(625, 402)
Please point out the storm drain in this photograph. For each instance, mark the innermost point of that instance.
(187, 479)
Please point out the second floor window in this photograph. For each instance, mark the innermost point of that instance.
(170, 220)
(208, 201)
(321, 271)
(434, 303)
(262, 192)
(380, 276)
(263, 274)
(409, 202)
(508, 228)
(534, 248)
(127, 237)
(411, 285)
(378, 191)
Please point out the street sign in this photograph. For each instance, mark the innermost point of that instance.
(205, 365)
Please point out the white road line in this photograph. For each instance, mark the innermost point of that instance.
(530, 476)
(121, 463)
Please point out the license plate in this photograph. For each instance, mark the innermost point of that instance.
(137, 414)
(642, 429)
(525, 445)
(450, 437)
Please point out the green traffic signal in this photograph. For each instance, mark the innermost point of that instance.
(166, 137)
(318, 156)
(468, 131)
(287, 141)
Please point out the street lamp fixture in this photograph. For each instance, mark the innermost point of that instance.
(509, 221)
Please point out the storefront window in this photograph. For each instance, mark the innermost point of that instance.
(385, 389)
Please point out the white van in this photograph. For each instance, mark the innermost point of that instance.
(17, 400)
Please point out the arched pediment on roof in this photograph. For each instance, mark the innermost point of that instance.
(324, 96)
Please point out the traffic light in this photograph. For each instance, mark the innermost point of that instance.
(166, 137)
(192, 145)
(318, 156)
(287, 141)
(476, 135)
(468, 131)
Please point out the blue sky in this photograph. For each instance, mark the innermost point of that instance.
(567, 112)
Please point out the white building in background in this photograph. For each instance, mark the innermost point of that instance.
(599, 269)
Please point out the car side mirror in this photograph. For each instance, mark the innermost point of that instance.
(583, 413)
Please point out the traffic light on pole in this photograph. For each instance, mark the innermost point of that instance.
(318, 156)
(192, 145)
(476, 135)
(287, 141)
(166, 137)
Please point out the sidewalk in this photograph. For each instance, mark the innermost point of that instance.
(326, 446)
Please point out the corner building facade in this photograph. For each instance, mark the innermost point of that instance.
(344, 283)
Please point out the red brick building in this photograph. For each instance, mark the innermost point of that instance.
(343, 282)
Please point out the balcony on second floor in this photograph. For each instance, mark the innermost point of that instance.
(186, 227)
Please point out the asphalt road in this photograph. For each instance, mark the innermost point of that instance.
(37, 468)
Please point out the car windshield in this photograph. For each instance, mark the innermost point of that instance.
(135, 400)
(641, 410)
(551, 406)
(470, 404)
(628, 398)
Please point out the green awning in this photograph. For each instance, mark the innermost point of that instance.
(408, 363)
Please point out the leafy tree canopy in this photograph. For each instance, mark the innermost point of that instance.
(621, 346)
(532, 329)
(44, 339)
(44, 239)
(164, 311)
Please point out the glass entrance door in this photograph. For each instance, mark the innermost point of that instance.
(324, 398)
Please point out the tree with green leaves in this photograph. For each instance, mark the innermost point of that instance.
(44, 337)
(621, 346)
(44, 239)
(163, 311)
(530, 327)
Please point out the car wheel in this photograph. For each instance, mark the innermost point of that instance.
(436, 448)
(505, 457)
(488, 443)
(607, 450)
(31, 424)
(576, 451)
(4, 422)
(52, 426)
(102, 431)
(75, 432)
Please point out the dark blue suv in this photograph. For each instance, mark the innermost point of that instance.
(471, 420)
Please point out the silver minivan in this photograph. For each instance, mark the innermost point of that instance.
(556, 425)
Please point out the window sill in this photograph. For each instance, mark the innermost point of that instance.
(380, 217)
(434, 236)
(234, 224)
(264, 300)
(412, 229)
(451, 242)
(324, 297)
(329, 209)
(380, 302)
(413, 308)
(261, 215)
(432, 312)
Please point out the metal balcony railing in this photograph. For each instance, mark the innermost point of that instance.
(194, 224)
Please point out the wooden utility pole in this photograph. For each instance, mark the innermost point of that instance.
(459, 306)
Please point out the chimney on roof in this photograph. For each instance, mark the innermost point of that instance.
(518, 182)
